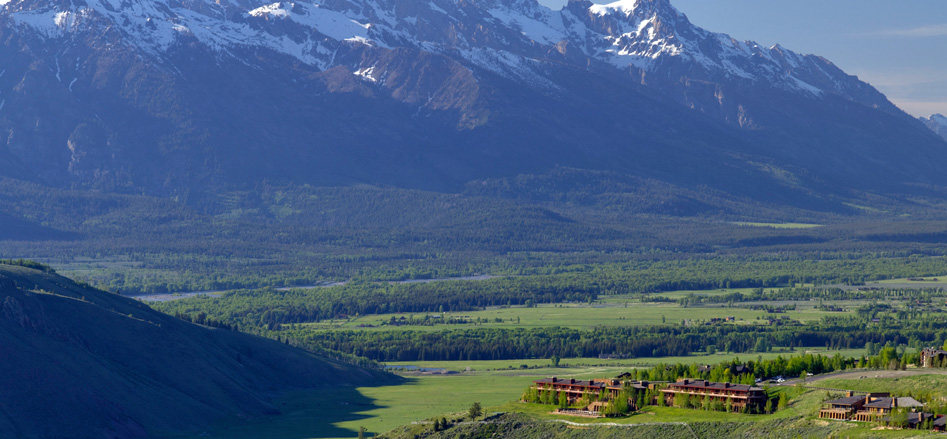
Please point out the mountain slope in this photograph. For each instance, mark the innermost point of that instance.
(106, 366)
(199, 96)
(937, 123)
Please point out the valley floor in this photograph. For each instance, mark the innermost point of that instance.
(497, 385)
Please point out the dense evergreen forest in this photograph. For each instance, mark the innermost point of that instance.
(655, 341)
(298, 235)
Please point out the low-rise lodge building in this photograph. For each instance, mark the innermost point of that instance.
(940, 424)
(739, 396)
(933, 357)
(577, 389)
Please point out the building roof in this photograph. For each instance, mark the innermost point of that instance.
(887, 403)
(571, 381)
(914, 418)
(848, 400)
(592, 384)
(710, 385)
(917, 418)
(940, 422)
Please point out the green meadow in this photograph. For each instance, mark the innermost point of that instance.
(611, 312)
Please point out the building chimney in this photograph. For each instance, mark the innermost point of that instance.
(851, 393)
(554, 379)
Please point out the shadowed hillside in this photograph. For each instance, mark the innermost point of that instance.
(105, 366)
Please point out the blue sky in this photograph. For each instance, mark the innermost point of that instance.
(899, 46)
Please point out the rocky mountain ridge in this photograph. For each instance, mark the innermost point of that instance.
(175, 97)
(937, 123)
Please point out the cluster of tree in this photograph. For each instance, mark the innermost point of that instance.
(202, 319)
(926, 295)
(748, 372)
(28, 264)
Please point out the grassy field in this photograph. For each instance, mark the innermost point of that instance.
(778, 225)
(610, 313)
(925, 385)
(919, 281)
(378, 409)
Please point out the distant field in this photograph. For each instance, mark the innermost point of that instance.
(917, 280)
(613, 312)
(778, 225)
(684, 293)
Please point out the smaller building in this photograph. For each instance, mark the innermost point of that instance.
(940, 424)
(933, 357)
(917, 419)
(878, 408)
(843, 408)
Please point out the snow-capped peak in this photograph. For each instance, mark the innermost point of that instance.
(509, 37)
(626, 7)
(630, 7)
(937, 123)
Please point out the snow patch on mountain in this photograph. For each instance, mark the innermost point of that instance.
(937, 123)
(366, 74)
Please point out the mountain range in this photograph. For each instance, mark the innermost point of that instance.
(185, 97)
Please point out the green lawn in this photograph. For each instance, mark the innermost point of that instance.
(378, 409)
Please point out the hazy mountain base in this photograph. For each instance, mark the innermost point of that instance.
(520, 426)
(301, 235)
